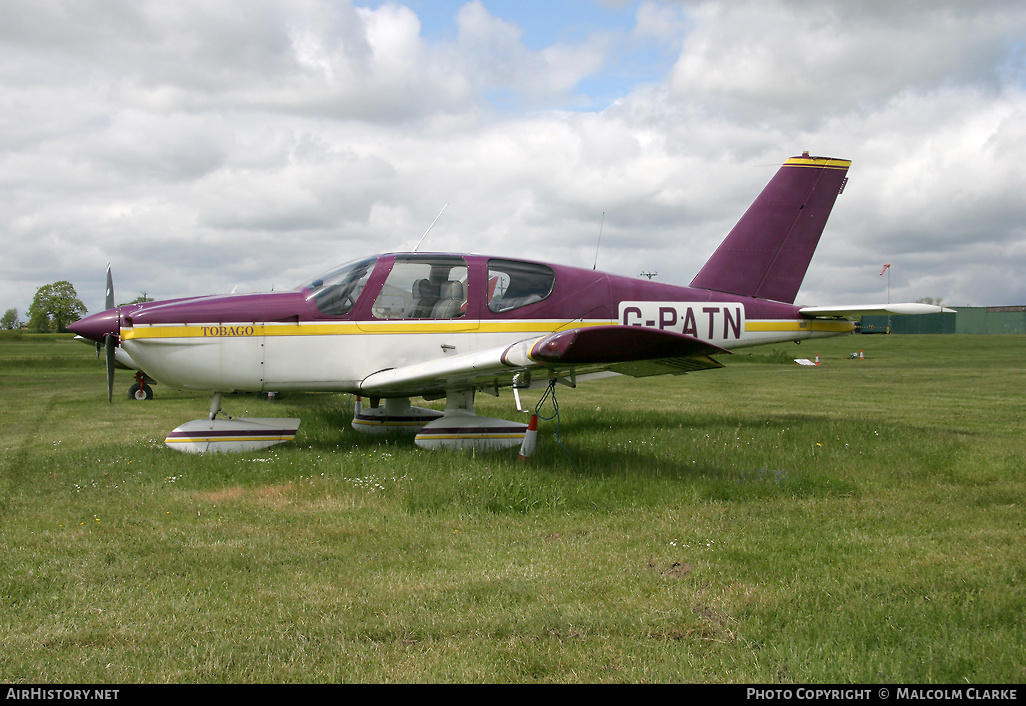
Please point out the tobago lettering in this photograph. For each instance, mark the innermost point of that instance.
(227, 330)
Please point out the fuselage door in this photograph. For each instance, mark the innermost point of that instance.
(423, 294)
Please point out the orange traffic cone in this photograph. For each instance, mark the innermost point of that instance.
(817, 359)
(530, 439)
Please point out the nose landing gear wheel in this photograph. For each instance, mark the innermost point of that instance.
(137, 392)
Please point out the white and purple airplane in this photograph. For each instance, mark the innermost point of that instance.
(392, 327)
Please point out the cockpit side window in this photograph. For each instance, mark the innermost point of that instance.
(513, 284)
(423, 287)
(335, 292)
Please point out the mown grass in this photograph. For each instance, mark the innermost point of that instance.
(860, 521)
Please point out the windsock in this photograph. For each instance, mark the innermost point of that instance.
(530, 439)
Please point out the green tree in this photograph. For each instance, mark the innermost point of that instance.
(10, 320)
(54, 307)
(141, 299)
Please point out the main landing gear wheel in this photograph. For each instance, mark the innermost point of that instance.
(137, 392)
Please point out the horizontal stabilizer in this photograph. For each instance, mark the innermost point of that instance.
(911, 308)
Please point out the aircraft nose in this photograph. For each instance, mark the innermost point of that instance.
(97, 326)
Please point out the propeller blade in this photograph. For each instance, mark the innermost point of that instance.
(110, 289)
(109, 343)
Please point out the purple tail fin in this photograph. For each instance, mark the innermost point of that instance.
(768, 251)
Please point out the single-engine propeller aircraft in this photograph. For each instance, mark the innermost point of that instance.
(397, 326)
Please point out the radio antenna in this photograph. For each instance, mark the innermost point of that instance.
(429, 228)
(599, 243)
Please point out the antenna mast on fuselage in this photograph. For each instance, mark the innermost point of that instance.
(417, 246)
(599, 243)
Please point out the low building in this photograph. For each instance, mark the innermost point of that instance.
(968, 319)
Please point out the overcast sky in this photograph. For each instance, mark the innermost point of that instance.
(205, 145)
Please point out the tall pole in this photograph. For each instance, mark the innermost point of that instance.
(887, 269)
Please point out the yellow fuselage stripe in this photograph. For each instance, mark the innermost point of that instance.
(348, 328)
(833, 326)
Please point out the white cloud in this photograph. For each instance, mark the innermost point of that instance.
(791, 59)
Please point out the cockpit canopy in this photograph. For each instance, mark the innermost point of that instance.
(432, 287)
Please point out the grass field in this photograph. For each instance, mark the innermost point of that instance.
(861, 521)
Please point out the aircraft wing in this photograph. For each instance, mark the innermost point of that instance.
(627, 350)
(873, 309)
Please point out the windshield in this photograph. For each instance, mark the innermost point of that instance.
(335, 292)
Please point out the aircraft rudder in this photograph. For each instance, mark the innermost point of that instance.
(768, 252)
